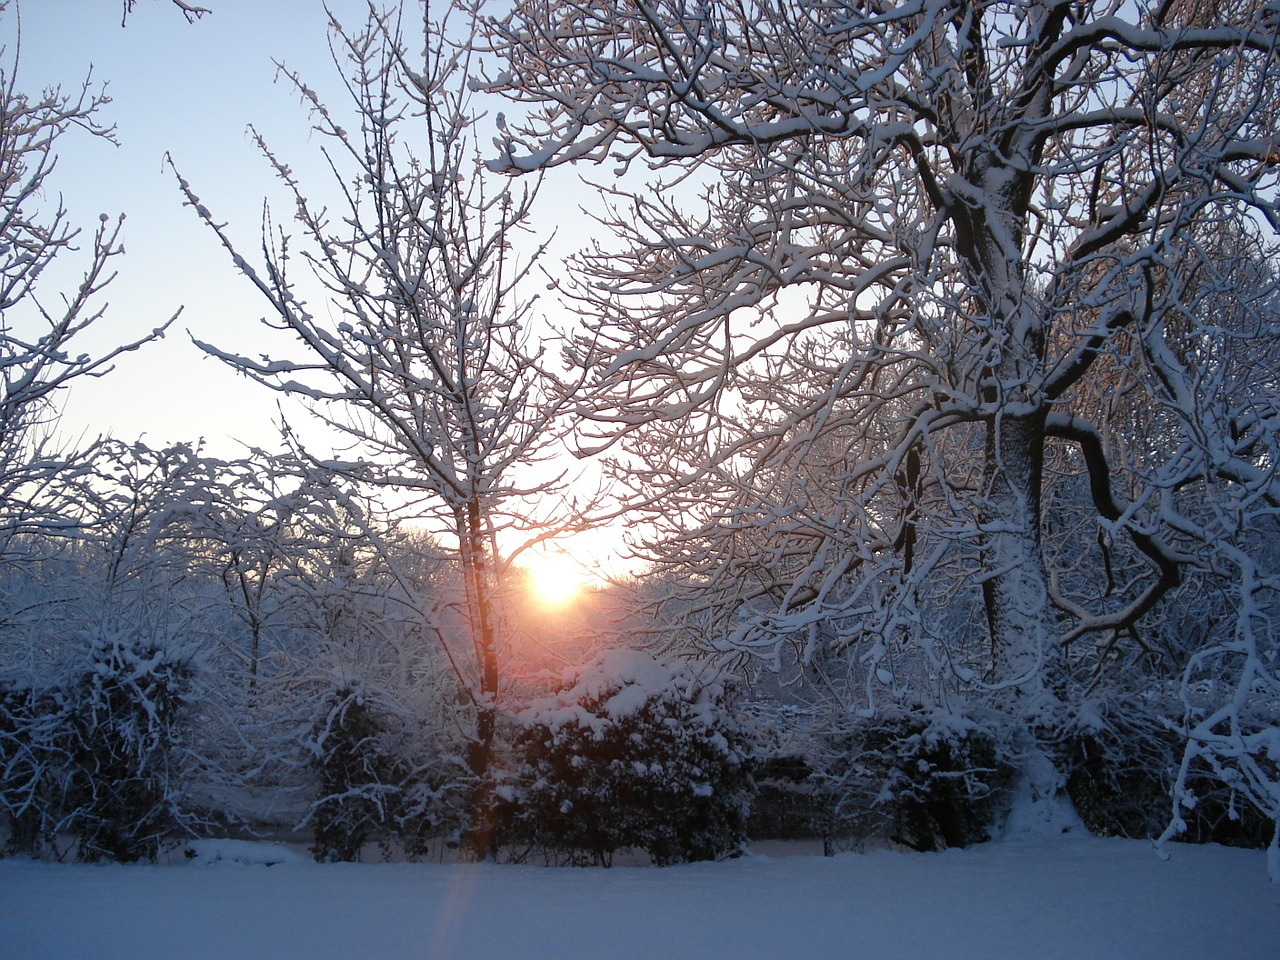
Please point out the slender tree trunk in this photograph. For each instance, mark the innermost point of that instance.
(485, 639)
(483, 843)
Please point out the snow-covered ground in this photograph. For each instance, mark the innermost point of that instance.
(1077, 898)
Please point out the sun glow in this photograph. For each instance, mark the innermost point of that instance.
(556, 580)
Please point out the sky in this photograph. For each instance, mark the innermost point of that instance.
(191, 91)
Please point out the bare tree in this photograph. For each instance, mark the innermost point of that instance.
(900, 258)
(426, 361)
(189, 10)
(43, 331)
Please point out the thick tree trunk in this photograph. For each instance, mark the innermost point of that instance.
(1024, 651)
(1027, 663)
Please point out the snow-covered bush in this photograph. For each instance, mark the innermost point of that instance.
(122, 791)
(98, 756)
(630, 752)
(378, 776)
(359, 776)
(1124, 755)
(927, 777)
(344, 813)
(31, 723)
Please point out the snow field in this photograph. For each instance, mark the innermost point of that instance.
(1069, 899)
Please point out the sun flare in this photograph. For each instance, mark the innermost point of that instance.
(556, 581)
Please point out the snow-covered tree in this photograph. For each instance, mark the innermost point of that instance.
(910, 271)
(189, 10)
(111, 630)
(416, 337)
(44, 327)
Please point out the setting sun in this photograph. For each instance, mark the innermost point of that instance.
(556, 580)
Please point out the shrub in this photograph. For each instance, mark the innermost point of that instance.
(630, 752)
(121, 790)
(1122, 758)
(98, 756)
(356, 778)
(368, 785)
(925, 777)
(32, 721)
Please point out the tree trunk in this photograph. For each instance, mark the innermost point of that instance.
(480, 752)
(1024, 652)
(1027, 663)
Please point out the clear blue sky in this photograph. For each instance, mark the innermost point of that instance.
(190, 89)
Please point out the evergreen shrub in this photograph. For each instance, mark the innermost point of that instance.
(1122, 760)
(630, 752)
(122, 789)
(922, 776)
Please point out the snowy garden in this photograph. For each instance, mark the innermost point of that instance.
(904, 421)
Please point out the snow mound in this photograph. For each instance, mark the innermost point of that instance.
(251, 853)
(1040, 810)
(1040, 818)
